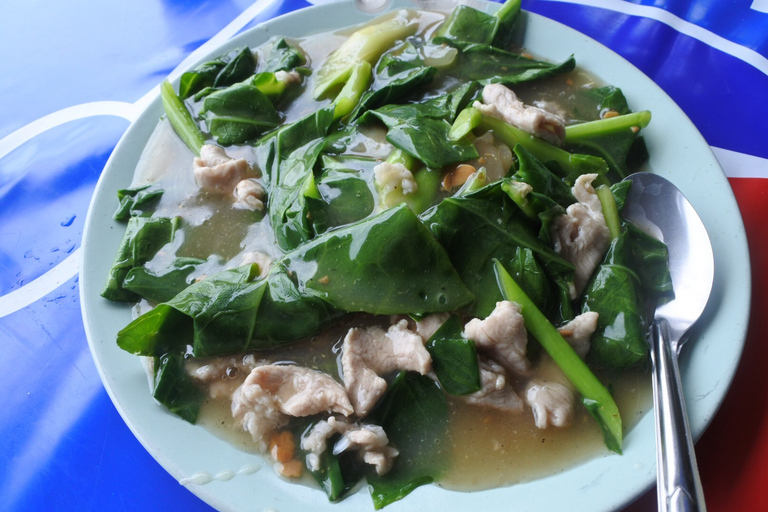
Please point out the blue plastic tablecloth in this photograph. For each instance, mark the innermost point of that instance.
(74, 74)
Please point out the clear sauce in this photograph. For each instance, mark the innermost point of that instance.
(489, 448)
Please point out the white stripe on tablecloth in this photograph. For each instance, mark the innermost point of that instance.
(741, 165)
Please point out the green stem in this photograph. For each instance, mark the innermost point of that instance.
(610, 210)
(353, 90)
(596, 397)
(576, 132)
(181, 119)
(569, 163)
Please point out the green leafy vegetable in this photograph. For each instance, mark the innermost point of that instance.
(345, 197)
(469, 25)
(414, 414)
(337, 474)
(289, 157)
(282, 56)
(144, 236)
(482, 226)
(490, 65)
(400, 72)
(174, 388)
(238, 114)
(161, 286)
(136, 202)
(614, 292)
(224, 71)
(386, 264)
(421, 131)
(651, 261)
(454, 359)
(241, 64)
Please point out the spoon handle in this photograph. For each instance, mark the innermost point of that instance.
(678, 484)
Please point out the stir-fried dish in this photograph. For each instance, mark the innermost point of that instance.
(352, 241)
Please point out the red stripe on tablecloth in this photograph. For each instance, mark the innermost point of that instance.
(733, 452)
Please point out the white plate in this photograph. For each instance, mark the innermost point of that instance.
(230, 479)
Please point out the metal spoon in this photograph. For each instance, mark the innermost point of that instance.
(659, 208)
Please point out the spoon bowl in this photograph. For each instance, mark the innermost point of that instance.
(657, 207)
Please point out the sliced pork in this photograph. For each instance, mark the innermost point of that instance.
(270, 393)
(502, 103)
(216, 172)
(502, 335)
(578, 332)
(369, 353)
(370, 441)
(551, 402)
(581, 235)
(249, 194)
(495, 391)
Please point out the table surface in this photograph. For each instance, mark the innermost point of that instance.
(74, 76)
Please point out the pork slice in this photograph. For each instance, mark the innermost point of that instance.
(495, 391)
(581, 235)
(250, 194)
(369, 441)
(216, 172)
(502, 103)
(552, 404)
(502, 335)
(271, 393)
(369, 353)
(578, 332)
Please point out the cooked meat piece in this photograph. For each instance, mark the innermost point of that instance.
(370, 441)
(272, 392)
(581, 235)
(578, 332)
(552, 404)
(394, 176)
(502, 103)
(368, 353)
(502, 336)
(289, 77)
(495, 391)
(217, 172)
(249, 194)
(428, 326)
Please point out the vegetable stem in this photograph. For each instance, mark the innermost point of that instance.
(569, 163)
(181, 119)
(353, 90)
(610, 211)
(596, 397)
(607, 126)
